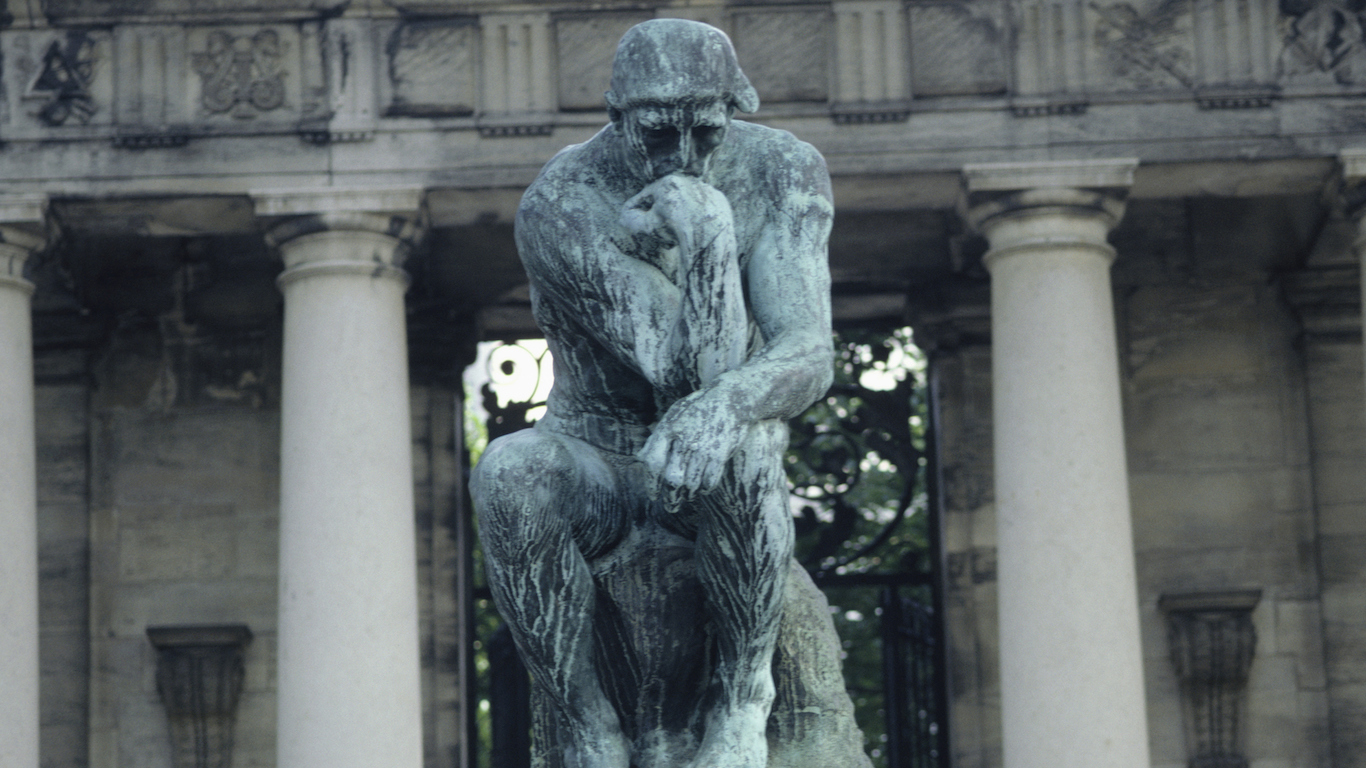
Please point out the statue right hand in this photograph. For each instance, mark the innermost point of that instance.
(678, 210)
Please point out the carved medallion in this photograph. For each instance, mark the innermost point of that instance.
(1145, 46)
(64, 80)
(1324, 38)
(242, 75)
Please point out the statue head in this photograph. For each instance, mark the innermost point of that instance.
(675, 86)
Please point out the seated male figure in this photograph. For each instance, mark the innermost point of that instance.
(677, 263)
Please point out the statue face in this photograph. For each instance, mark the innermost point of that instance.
(673, 138)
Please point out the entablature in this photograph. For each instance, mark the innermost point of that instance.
(479, 94)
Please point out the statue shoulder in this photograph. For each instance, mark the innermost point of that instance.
(764, 145)
(564, 214)
(778, 160)
(574, 179)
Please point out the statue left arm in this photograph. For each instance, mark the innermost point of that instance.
(789, 295)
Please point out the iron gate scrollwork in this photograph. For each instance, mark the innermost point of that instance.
(858, 462)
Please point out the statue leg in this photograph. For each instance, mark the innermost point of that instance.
(744, 546)
(543, 501)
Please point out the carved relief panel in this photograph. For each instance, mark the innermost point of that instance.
(239, 74)
(958, 48)
(1322, 42)
(1144, 45)
(433, 67)
(172, 82)
(586, 45)
(785, 53)
(1067, 51)
(56, 80)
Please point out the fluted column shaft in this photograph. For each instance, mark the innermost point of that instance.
(349, 692)
(1071, 660)
(18, 508)
(1353, 165)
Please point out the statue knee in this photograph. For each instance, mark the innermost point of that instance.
(516, 482)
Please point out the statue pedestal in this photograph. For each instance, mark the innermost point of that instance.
(656, 658)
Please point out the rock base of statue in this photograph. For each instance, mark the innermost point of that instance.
(656, 659)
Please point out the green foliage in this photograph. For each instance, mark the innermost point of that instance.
(857, 466)
(856, 460)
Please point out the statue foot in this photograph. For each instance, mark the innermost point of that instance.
(735, 738)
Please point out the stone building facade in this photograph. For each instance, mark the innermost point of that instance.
(1152, 475)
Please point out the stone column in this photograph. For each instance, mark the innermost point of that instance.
(20, 221)
(1353, 162)
(348, 650)
(1328, 292)
(1071, 661)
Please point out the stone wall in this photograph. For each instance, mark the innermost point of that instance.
(184, 530)
(1325, 293)
(962, 385)
(443, 571)
(1219, 462)
(62, 403)
(159, 508)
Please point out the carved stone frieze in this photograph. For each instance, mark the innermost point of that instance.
(1213, 642)
(241, 74)
(1233, 48)
(1218, 50)
(1147, 47)
(785, 53)
(151, 107)
(64, 81)
(1215, 48)
(958, 48)
(586, 44)
(350, 55)
(1323, 40)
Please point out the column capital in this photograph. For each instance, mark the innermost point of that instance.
(1353, 163)
(1077, 174)
(1351, 182)
(1022, 207)
(338, 230)
(23, 232)
(1083, 188)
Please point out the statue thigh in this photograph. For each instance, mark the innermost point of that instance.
(534, 487)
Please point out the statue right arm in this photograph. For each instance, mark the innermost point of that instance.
(574, 251)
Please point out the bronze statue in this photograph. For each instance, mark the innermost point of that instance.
(678, 269)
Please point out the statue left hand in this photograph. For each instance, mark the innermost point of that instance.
(690, 446)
